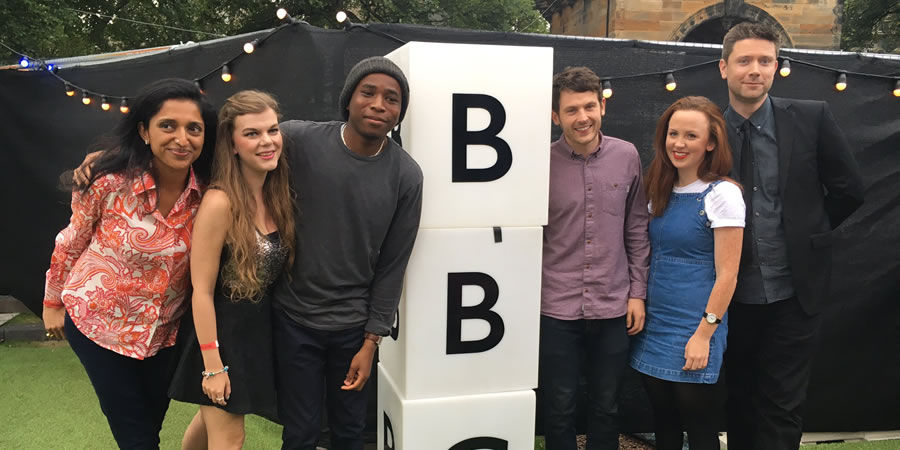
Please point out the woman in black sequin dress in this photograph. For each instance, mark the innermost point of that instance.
(243, 240)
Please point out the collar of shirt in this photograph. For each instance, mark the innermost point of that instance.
(146, 182)
(762, 117)
(566, 150)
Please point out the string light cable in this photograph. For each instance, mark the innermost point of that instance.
(87, 95)
(226, 70)
(344, 19)
(541, 14)
(116, 17)
(840, 74)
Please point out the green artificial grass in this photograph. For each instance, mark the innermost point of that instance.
(48, 402)
(866, 445)
(23, 318)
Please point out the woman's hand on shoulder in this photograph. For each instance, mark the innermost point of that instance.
(82, 174)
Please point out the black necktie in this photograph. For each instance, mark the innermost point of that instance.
(747, 181)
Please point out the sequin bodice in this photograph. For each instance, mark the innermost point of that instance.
(270, 255)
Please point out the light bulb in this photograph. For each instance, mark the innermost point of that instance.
(670, 82)
(785, 69)
(841, 83)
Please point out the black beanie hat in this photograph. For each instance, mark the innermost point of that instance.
(375, 64)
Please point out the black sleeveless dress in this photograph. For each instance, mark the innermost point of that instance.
(244, 331)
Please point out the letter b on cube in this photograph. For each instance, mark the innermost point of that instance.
(477, 125)
(469, 316)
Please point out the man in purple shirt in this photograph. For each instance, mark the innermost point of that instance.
(596, 258)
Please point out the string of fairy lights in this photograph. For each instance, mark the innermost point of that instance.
(88, 96)
(840, 81)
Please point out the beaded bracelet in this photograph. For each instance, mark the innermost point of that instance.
(212, 374)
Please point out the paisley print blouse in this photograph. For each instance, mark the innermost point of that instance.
(120, 268)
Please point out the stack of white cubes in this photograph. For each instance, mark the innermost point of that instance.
(459, 369)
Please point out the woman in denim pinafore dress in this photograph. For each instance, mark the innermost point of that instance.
(679, 353)
(682, 274)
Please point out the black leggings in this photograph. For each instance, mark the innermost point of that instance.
(677, 407)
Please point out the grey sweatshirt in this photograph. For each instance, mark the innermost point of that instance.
(357, 221)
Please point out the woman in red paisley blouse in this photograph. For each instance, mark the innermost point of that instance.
(119, 271)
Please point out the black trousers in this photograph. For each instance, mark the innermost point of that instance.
(132, 392)
(569, 349)
(768, 364)
(311, 366)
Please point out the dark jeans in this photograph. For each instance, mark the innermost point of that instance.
(311, 366)
(568, 348)
(768, 363)
(679, 407)
(132, 392)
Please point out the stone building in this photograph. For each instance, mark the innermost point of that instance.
(814, 24)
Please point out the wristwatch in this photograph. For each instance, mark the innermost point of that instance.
(711, 318)
(374, 338)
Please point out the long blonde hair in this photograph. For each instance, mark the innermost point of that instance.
(277, 196)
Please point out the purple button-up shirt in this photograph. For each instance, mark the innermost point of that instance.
(596, 247)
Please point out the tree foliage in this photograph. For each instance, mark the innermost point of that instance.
(59, 28)
(871, 25)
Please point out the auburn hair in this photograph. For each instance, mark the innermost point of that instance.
(278, 198)
(660, 178)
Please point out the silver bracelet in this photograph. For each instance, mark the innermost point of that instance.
(212, 374)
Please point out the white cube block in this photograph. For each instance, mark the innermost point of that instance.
(504, 91)
(469, 315)
(503, 421)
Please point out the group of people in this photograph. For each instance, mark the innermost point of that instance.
(286, 241)
(291, 240)
(724, 242)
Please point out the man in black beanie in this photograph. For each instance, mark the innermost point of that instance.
(359, 199)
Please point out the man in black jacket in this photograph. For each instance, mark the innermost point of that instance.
(800, 182)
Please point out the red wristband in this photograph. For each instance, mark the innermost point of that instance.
(211, 346)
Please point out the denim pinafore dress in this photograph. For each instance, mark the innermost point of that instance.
(682, 274)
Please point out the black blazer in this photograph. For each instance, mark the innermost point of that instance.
(820, 186)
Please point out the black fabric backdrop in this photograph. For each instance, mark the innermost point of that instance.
(855, 383)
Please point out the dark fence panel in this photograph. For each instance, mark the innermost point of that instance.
(854, 386)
